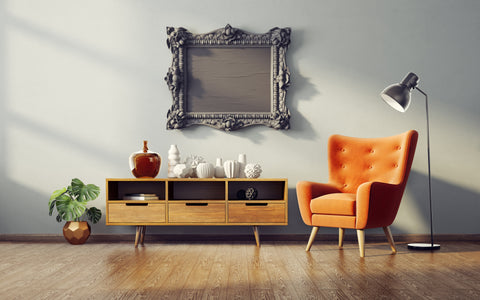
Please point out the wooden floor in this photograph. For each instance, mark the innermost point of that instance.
(237, 270)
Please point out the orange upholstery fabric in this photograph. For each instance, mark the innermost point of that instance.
(367, 178)
(334, 204)
(334, 221)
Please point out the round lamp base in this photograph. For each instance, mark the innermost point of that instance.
(423, 246)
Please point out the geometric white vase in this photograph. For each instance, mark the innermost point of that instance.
(231, 168)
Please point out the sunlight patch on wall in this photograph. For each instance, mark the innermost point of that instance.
(56, 82)
(37, 161)
(71, 83)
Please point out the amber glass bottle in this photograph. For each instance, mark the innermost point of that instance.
(145, 163)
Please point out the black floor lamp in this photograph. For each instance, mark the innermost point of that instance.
(398, 97)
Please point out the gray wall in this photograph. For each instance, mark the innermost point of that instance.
(81, 85)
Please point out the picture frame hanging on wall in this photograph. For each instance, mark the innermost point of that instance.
(228, 79)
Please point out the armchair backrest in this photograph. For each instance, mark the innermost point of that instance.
(353, 161)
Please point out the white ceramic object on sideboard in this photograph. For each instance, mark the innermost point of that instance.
(253, 170)
(193, 161)
(205, 170)
(173, 160)
(182, 171)
(242, 162)
(231, 168)
(219, 170)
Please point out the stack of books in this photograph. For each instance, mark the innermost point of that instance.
(140, 197)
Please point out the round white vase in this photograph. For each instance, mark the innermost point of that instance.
(205, 170)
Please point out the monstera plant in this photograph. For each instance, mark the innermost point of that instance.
(71, 205)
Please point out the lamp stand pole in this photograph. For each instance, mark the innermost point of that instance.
(431, 245)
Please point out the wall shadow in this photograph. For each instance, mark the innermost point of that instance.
(3, 114)
(301, 89)
(453, 206)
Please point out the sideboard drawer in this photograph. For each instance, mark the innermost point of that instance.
(196, 212)
(136, 212)
(256, 212)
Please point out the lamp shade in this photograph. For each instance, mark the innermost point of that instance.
(398, 95)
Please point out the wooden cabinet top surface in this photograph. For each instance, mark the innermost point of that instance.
(197, 179)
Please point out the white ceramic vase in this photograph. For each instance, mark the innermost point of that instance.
(231, 168)
(173, 160)
(205, 170)
(219, 170)
(242, 162)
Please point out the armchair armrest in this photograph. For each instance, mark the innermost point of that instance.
(377, 204)
(308, 190)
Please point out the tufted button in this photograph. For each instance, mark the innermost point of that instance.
(395, 165)
(370, 167)
(398, 148)
(343, 150)
(344, 166)
(372, 151)
(345, 185)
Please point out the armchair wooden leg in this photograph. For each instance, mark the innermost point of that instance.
(312, 238)
(388, 233)
(341, 233)
(361, 241)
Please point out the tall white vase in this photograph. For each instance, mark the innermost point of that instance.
(219, 170)
(242, 162)
(173, 160)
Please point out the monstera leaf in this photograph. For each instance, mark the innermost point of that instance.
(82, 192)
(53, 200)
(70, 209)
(94, 214)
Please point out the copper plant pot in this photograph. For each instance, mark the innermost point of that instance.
(76, 233)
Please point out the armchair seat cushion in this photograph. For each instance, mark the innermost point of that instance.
(334, 204)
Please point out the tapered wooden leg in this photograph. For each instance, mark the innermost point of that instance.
(388, 233)
(142, 234)
(257, 236)
(341, 233)
(312, 238)
(361, 241)
(137, 235)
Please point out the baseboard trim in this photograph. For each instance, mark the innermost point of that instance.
(112, 238)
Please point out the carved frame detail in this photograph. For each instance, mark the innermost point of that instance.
(179, 39)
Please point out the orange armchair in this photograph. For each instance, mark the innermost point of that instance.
(367, 177)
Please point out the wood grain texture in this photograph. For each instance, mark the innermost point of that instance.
(136, 212)
(248, 213)
(191, 213)
(237, 270)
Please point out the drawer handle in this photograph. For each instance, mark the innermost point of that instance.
(256, 204)
(196, 204)
(136, 204)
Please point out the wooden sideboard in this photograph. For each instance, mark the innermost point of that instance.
(195, 201)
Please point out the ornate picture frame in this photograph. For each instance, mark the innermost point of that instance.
(228, 79)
